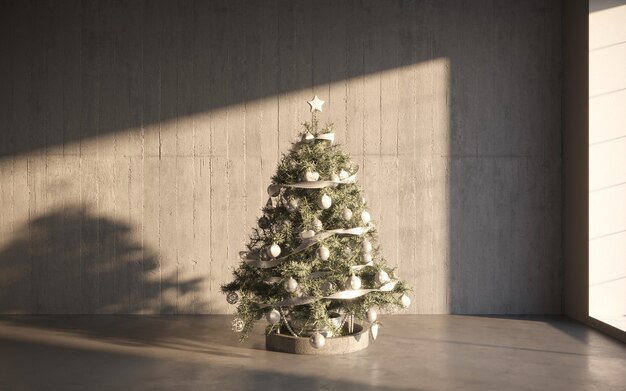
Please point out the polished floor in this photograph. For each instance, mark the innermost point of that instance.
(428, 352)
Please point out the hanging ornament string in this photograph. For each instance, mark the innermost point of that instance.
(251, 259)
(343, 295)
(284, 318)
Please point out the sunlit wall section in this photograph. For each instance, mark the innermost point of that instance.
(607, 161)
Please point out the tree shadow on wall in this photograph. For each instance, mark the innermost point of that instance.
(73, 261)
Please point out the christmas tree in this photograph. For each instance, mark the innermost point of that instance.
(313, 265)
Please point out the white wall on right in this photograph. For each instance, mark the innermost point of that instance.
(607, 161)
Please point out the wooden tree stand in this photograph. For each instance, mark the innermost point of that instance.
(287, 343)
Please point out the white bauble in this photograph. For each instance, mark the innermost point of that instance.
(264, 222)
(273, 190)
(317, 225)
(317, 340)
(327, 287)
(347, 214)
(334, 177)
(325, 201)
(343, 174)
(291, 285)
(307, 234)
(365, 217)
(405, 301)
(371, 315)
(367, 258)
(347, 252)
(292, 205)
(311, 176)
(274, 250)
(323, 253)
(272, 316)
(353, 282)
(366, 246)
(381, 277)
(374, 330)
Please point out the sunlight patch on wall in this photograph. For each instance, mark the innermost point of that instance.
(607, 162)
(149, 219)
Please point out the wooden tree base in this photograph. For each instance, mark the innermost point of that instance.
(287, 343)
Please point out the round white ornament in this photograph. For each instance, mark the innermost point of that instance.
(347, 214)
(323, 253)
(311, 176)
(232, 298)
(374, 330)
(381, 277)
(343, 174)
(264, 222)
(366, 246)
(307, 234)
(272, 316)
(292, 205)
(365, 217)
(367, 258)
(274, 250)
(347, 252)
(325, 201)
(291, 285)
(317, 340)
(353, 282)
(405, 301)
(273, 190)
(317, 225)
(371, 315)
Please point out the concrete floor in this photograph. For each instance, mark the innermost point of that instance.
(427, 352)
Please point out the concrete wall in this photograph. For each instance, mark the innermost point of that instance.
(575, 114)
(137, 140)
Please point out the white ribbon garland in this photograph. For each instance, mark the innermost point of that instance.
(326, 136)
(309, 138)
(359, 267)
(343, 295)
(306, 243)
(273, 189)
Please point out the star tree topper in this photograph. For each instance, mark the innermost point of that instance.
(316, 104)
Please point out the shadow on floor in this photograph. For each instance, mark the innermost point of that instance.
(69, 368)
(188, 333)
